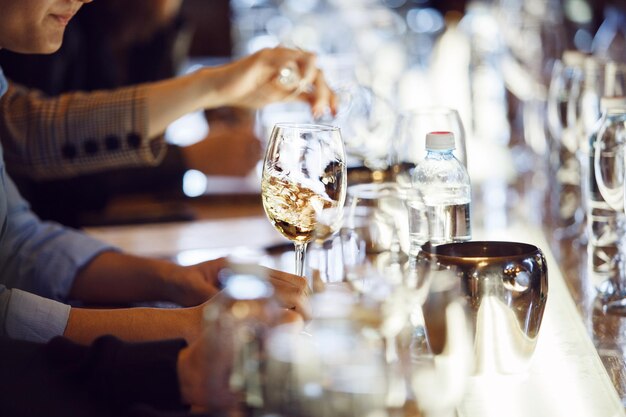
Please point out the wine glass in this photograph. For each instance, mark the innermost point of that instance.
(303, 185)
(369, 122)
(375, 235)
(438, 351)
(565, 206)
(609, 169)
(377, 239)
(410, 144)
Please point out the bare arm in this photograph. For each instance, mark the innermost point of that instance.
(143, 324)
(134, 324)
(251, 82)
(121, 127)
(113, 278)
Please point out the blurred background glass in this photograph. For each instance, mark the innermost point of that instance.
(490, 60)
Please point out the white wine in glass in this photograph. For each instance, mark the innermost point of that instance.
(303, 185)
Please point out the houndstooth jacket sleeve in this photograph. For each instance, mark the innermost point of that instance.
(76, 133)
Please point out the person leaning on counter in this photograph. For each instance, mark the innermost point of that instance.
(44, 264)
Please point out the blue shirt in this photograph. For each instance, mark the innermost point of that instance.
(38, 264)
(3, 83)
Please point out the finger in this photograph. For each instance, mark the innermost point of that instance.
(217, 263)
(296, 302)
(287, 290)
(286, 277)
(212, 269)
(322, 99)
(288, 76)
(290, 296)
(290, 317)
(334, 104)
(296, 71)
(303, 308)
(308, 69)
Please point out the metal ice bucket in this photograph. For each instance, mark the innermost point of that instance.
(506, 287)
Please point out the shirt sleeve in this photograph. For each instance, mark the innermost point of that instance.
(61, 378)
(41, 257)
(143, 373)
(26, 316)
(76, 133)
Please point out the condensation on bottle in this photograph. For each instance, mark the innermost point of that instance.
(444, 186)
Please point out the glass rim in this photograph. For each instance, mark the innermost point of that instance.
(372, 190)
(430, 110)
(307, 126)
(476, 250)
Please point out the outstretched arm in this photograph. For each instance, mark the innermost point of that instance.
(251, 82)
(77, 133)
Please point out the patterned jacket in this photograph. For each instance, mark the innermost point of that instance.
(76, 133)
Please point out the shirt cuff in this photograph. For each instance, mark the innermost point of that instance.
(33, 318)
(78, 250)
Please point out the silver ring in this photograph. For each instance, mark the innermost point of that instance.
(288, 76)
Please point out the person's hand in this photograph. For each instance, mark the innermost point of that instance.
(234, 151)
(292, 291)
(204, 367)
(194, 284)
(274, 75)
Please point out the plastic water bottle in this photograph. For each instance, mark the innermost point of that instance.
(444, 185)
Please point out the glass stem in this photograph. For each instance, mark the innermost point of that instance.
(300, 251)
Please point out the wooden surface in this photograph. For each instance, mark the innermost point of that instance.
(607, 331)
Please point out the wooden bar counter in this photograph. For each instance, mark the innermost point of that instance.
(578, 366)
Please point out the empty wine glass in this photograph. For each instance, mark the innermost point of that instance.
(376, 246)
(565, 200)
(410, 144)
(439, 374)
(303, 184)
(368, 122)
(375, 241)
(609, 168)
(336, 368)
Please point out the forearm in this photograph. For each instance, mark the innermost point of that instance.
(170, 99)
(114, 278)
(133, 324)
